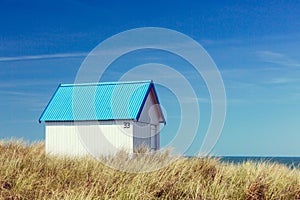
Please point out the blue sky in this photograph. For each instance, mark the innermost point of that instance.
(255, 45)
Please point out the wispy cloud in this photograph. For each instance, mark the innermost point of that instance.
(282, 80)
(15, 93)
(43, 56)
(26, 83)
(232, 41)
(277, 58)
(32, 101)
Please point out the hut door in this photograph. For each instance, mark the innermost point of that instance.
(153, 137)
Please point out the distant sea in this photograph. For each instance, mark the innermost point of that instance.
(289, 161)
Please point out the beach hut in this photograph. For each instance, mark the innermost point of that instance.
(102, 118)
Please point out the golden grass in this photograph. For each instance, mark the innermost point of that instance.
(26, 173)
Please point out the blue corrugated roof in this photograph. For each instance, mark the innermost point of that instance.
(97, 101)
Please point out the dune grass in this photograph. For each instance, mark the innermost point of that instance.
(26, 173)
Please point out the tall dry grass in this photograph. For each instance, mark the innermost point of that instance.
(26, 173)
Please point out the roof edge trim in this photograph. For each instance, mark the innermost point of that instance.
(160, 110)
(105, 83)
(49, 103)
(144, 101)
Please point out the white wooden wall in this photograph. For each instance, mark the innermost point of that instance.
(105, 137)
(90, 137)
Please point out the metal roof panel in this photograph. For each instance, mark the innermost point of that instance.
(97, 101)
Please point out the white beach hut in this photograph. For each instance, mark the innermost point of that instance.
(102, 118)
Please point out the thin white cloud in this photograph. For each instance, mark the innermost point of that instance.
(29, 101)
(15, 93)
(26, 83)
(277, 58)
(211, 42)
(43, 56)
(282, 80)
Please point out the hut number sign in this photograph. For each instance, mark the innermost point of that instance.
(126, 124)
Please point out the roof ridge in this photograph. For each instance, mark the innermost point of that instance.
(106, 83)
